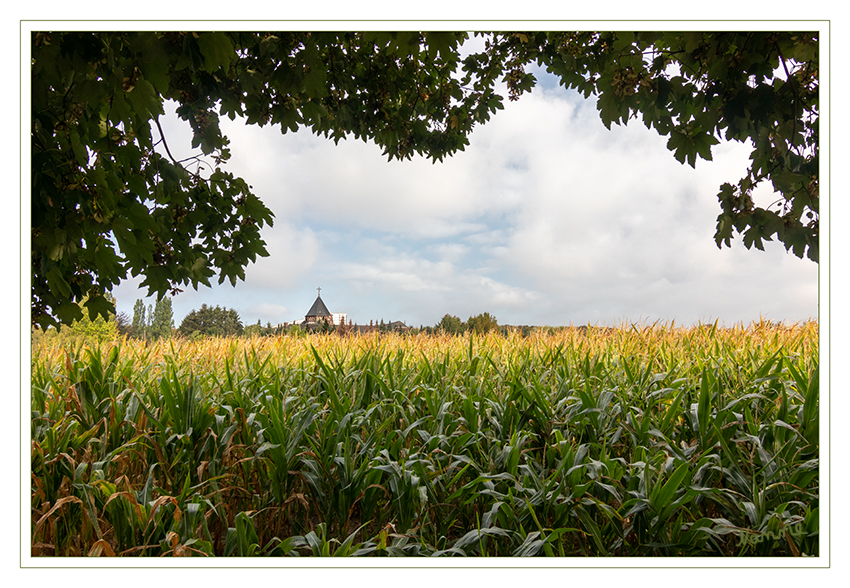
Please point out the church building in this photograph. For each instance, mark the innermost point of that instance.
(319, 313)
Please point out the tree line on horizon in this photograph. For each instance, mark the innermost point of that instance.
(156, 321)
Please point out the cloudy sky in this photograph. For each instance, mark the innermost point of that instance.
(547, 218)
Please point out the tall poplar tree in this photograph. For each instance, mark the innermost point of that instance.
(163, 319)
(139, 323)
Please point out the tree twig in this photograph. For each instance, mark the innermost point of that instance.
(164, 142)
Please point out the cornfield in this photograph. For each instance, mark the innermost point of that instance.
(635, 441)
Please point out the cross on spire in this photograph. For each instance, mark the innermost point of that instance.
(320, 291)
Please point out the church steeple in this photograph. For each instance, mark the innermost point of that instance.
(318, 311)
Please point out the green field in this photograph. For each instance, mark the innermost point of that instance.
(636, 441)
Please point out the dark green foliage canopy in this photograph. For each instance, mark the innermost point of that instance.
(482, 323)
(215, 322)
(451, 325)
(109, 200)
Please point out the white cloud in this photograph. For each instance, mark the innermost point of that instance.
(293, 254)
(351, 185)
(450, 252)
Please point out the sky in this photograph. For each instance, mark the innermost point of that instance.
(547, 218)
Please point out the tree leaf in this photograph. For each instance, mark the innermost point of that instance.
(217, 50)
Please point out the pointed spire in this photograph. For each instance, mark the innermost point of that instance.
(318, 309)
